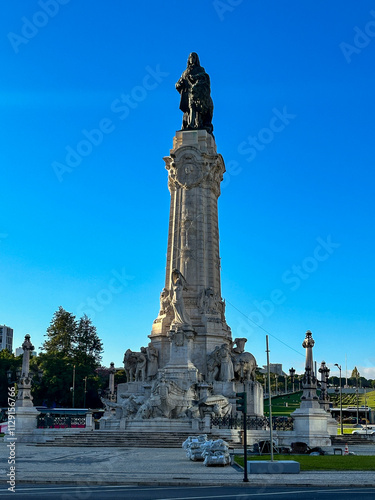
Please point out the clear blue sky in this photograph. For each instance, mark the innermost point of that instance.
(97, 231)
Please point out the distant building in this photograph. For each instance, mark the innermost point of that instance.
(19, 352)
(276, 368)
(6, 338)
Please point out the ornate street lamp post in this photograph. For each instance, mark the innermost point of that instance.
(84, 394)
(292, 371)
(112, 371)
(341, 422)
(357, 391)
(10, 375)
(73, 388)
(324, 372)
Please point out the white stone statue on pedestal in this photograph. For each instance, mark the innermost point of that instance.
(152, 361)
(181, 317)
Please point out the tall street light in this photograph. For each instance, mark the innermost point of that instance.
(342, 427)
(356, 390)
(74, 385)
(84, 394)
(292, 372)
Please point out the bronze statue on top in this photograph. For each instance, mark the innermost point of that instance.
(196, 102)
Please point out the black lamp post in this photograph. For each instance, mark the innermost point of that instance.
(341, 422)
(10, 375)
(324, 371)
(84, 396)
(292, 372)
(357, 391)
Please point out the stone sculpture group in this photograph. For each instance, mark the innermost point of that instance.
(226, 363)
(168, 399)
(143, 365)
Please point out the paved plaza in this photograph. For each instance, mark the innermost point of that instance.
(140, 466)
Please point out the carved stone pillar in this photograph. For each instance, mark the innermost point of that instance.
(26, 414)
(24, 397)
(309, 381)
(195, 172)
(312, 424)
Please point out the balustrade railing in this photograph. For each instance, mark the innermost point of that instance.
(253, 423)
(60, 422)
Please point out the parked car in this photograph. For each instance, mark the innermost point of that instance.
(368, 432)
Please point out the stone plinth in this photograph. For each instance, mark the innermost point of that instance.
(130, 388)
(25, 424)
(313, 426)
(275, 467)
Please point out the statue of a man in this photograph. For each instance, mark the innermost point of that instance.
(196, 102)
(181, 317)
(152, 361)
(140, 371)
(226, 367)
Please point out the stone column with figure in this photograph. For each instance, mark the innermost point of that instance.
(195, 171)
(26, 414)
(312, 424)
(24, 397)
(309, 381)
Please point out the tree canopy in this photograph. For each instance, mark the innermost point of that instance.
(71, 352)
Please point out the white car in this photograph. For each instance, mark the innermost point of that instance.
(369, 432)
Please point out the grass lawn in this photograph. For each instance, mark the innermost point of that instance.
(370, 399)
(321, 462)
(279, 408)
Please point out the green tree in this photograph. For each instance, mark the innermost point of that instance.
(54, 387)
(8, 361)
(61, 334)
(72, 351)
(88, 346)
(120, 377)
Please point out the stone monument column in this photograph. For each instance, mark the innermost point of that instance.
(195, 171)
(312, 424)
(26, 414)
(309, 381)
(190, 341)
(24, 397)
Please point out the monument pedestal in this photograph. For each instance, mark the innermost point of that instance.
(311, 426)
(25, 424)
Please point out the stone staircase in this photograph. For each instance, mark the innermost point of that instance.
(352, 439)
(125, 439)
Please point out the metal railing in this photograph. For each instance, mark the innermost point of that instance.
(253, 423)
(60, 422)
